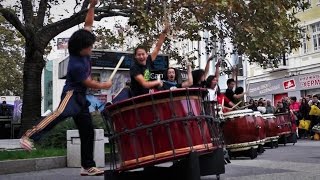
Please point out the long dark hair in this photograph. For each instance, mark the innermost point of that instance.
(176, 72)
(209, 81)
(196, 75)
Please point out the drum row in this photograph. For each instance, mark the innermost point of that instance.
(246, 130)
(170, 126)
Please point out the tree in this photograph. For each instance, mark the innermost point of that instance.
(261, 30)
(11, 60)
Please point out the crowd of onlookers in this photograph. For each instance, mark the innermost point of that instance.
(299, 108)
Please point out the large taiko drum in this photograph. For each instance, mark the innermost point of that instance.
(272, 129)
(161, 127)
(241, 130)
(261, 126)
(284, 123)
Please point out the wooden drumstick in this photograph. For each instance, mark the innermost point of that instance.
(222, 104)
(236, 105)
(116, 68)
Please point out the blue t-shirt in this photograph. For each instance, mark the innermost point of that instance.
(79, 69)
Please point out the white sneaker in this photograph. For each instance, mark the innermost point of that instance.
(93, 171)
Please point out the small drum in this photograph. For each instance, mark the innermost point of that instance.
(272, 129)
(240, 130)
(161, 127)
(284, 124)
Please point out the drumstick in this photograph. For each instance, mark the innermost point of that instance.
(236, 105)
(222, 104)
(116, 68)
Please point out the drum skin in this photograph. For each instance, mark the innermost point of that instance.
(284, 124)
(272, 128)
(153, 141)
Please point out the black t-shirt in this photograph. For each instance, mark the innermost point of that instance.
(136, 69)
(229, 93)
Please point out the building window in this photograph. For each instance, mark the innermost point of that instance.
(304, 45)
(316, 36)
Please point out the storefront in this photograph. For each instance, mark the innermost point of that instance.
(275, 90)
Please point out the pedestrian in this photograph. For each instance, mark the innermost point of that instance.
(304, 112)
(73, 99)
(269, 108)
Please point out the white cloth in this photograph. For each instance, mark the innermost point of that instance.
(212, 95)
(262, 109)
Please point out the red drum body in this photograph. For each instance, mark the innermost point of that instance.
(241, 130)
(160, 127)
(261, 126)
(272, 129)
(284, 124)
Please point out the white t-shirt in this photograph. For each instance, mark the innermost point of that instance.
(212, 95)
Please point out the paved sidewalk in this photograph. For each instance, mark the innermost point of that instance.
(298, 162)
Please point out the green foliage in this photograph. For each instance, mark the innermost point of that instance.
(11, 60)
(38, 153)
(262, 30)
(57, 137)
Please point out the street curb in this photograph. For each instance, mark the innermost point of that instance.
(27, 165)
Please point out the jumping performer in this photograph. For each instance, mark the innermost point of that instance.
(73, 99)
(140, 71)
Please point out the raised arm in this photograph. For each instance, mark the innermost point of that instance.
(90, 16)
(206, 69)
(188, 82)
(217, 73)
(161, 40)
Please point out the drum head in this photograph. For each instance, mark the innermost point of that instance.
(257, 113)
(237, 113)
(265, 116)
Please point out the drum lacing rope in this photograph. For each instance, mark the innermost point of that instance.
(157, 116)
(173, 112)
(201, 128)
(189, 106)
(123, 125)
(133, 138)
(201, 103)
(139, 123)
(170, 139)
(185, 123)
(150, 134)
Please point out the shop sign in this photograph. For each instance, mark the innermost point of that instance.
(290, 84)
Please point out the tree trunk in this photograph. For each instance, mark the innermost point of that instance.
(32, 70)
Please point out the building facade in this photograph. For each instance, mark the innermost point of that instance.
(298, 74)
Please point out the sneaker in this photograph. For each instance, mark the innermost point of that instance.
(26, 144)
(93, 171)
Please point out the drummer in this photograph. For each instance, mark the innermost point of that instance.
(171, 79)
(199, 75)
(231, 83)
(140, 71)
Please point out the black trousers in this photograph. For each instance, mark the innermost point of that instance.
(74, 105)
